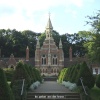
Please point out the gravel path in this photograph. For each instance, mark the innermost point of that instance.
(51, 87)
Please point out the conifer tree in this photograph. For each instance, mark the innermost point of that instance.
(86, 75)
(5, 90)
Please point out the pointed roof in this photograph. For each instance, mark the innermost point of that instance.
(27, 47)
(49, 24)
(60, 44)
(38, 44)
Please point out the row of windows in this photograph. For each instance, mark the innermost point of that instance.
(52, 71)
(54, 61)
(52, 55)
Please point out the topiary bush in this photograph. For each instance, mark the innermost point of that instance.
(98, 81)
(37, 75)
(9, 72)
(27, 67)
(21, 73)
(62, 75)
(32, 73)
(87, 76)
(5, 90)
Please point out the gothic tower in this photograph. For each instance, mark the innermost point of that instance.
(49, 58)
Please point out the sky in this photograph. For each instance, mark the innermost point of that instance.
(67, 16)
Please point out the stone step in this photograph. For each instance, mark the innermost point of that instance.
(53, 96)
(53, 99)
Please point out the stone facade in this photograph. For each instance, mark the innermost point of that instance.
(49, 58)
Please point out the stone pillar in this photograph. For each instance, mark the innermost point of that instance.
(70, 54)
(27, 54)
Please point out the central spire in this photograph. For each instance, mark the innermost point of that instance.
(49, 24)
(49, 29)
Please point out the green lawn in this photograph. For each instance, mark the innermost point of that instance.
(95, 93)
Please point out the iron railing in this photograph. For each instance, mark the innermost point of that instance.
(22, 89)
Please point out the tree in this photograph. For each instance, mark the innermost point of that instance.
(87, 76)
(5, 90)
(62, 75)
(37, 75)
(93, 44)
(98, 81)
(21, 73)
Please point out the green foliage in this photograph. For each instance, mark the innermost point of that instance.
(37, 75)
(32, 73)
(75, 73)
(98, 81)
(93, 43)
(21, 73)
(9, 73)
(5, 90)
(29, 72)
(95, 93)
(42, 38)
(68, 75)
(17, 87)
(62, 75)
(87, 76)
(16, 42)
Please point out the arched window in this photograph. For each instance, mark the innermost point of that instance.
(54, 59)
(43, 70)
(46, 70)
(51, 70)
(43, 59)
(54, 70)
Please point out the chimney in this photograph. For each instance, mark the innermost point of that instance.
(70, 54)
(27, 54)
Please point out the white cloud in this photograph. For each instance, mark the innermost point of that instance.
(78, 3)
(25, 14)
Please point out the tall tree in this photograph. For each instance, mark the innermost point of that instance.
(93, 44)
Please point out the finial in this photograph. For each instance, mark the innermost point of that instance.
(49, 14)
(27, 47)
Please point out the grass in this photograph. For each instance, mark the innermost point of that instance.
(95, 93)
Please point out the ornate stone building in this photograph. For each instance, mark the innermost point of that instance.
(49, 58)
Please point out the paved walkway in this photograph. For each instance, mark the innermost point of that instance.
(51, 87)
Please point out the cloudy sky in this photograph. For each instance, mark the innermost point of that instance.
(67, 16)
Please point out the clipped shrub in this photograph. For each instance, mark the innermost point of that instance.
(71, 72)
(5, 90)
(75, 73)
(68, 74)
(98, 81)
(62, 75)
(21, 73)
(29, 72)
(17, 88)
(9, 73)
(87, 76)
(37, 75)
(33, 74)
